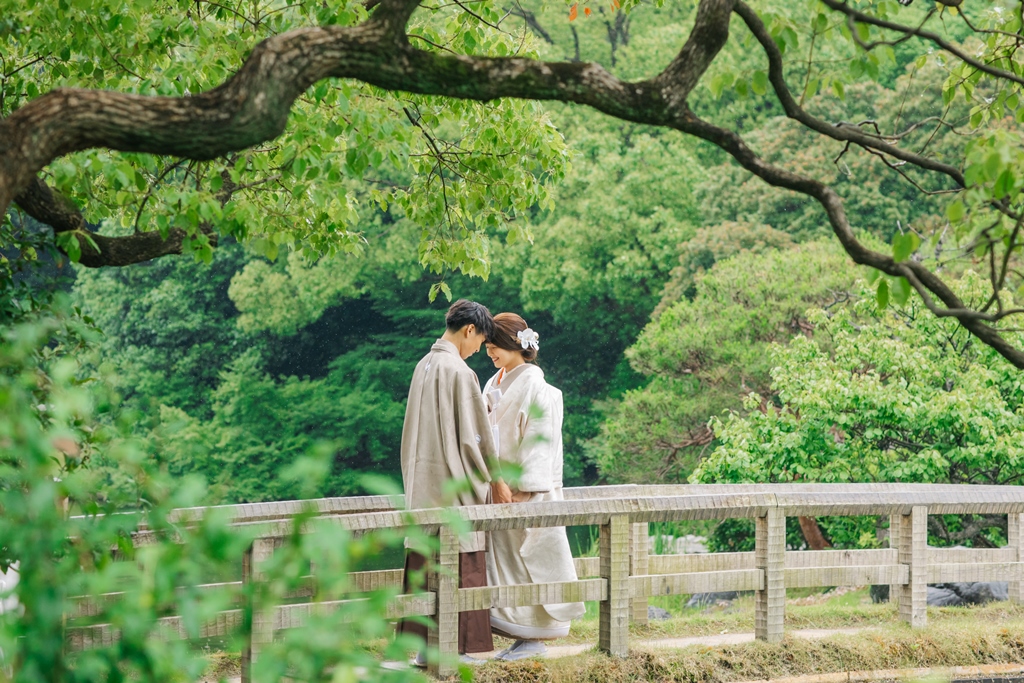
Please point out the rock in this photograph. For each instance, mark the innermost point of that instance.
(954, 594)
(705, 599)
(940, 596)
(657, 614)
(967, 593)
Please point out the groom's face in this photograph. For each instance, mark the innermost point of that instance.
(471, 341)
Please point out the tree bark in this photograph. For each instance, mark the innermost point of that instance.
(812, 534)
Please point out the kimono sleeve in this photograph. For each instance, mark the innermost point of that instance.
(540, 444)
(476, 441)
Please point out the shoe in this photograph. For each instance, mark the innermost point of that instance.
(470, 661)
(420, 660)
(528, 648)
(508, 650)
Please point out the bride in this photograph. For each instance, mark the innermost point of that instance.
(527, 414)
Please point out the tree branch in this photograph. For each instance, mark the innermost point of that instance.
(935, 38)
(47, 206)
(841, 132)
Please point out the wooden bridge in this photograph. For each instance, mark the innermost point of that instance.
(624, 576)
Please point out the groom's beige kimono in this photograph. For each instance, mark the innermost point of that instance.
(447, 436)
(529, 419)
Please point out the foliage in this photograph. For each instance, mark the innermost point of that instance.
(894, 395)
(880, 199)
(703, 354)
(456, 169)
(51, 446)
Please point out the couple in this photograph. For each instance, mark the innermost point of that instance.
(452, 431)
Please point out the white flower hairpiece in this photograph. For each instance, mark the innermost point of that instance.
(529, 339)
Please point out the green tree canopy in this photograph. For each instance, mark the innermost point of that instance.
(703, 355)
(173, 122)
(892, 395)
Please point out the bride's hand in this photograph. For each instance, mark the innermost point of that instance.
(521, 497)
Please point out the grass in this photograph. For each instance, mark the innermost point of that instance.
(955, 637)
(821, 610)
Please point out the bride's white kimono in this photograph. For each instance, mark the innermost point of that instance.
(532, 439)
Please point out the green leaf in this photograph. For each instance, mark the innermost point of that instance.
(901, 291)
(955, 211)
(882, 294)
(1005, 184)
(904, 245)
(759, 84)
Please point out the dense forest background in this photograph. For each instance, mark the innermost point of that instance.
(657, 281)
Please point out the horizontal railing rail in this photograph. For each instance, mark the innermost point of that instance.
(623, 577)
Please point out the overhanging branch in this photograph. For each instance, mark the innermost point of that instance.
(47, 206)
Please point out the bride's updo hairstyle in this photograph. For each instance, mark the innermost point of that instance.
(507, 327)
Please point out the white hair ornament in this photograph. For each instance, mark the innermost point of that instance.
(529, 339)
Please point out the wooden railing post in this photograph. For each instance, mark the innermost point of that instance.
(613, 637)
(770, 557)
(1015, 537)
(895, 524)
(262, 633)
(444, 581)
(914, 553)
(638, 565)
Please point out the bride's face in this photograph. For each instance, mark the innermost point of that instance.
(503, 358)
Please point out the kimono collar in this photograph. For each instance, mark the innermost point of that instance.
(503, 380)
(446, 346)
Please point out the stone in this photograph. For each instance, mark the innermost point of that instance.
(967, 593)
(705, 599)
(657, 613)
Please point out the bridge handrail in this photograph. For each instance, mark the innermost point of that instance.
(625, 575)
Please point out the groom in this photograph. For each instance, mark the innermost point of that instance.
(447, 436)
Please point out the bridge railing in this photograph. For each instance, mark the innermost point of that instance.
(623, 576)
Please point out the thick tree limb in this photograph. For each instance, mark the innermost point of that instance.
(47, 206)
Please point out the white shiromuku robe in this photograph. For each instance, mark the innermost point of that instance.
(446, 436)
(532, 439)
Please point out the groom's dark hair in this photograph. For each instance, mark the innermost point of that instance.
(464, 312)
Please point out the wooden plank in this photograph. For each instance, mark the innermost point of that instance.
(613, 614)
(262, 633)
(376, 580)
(895, 522)
(701, 582)
(913, 549)
(587, 567)
(840, 558)
(638, 563)
(532, 594)
(444, 581)
(702, 562)
(770, 557)
(294, 616)
(86, 606)
(1015, 539)
(978, 571)
(970, 555)
(170, 628)
(959, 500)
(861, 575)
